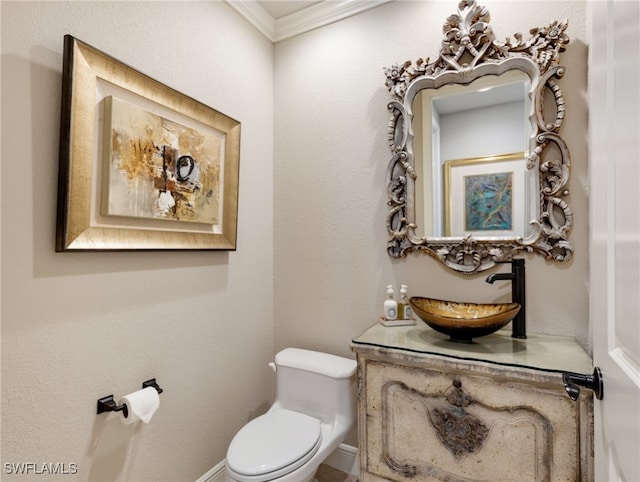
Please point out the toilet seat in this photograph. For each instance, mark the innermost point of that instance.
(273, 445)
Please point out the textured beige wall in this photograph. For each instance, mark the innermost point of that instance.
(76, 327)
(331, 265)
(79, 326)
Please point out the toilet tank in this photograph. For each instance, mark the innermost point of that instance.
(318, 384)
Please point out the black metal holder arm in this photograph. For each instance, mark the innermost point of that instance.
(152, 383)
(108, 404)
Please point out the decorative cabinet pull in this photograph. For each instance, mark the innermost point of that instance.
(573, 382)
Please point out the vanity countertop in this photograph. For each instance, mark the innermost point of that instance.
(542, 352)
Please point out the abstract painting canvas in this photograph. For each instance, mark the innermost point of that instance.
(157, 168)
(488, 202)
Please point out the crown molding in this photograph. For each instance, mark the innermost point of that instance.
(257, 16)
(309, 18)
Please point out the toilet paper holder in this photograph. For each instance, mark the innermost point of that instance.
(108, 404)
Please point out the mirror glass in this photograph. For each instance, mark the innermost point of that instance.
(492, 114)
(478, 169)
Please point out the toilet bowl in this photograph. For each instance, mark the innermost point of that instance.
(313, 412)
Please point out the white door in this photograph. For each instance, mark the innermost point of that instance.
(615, 234)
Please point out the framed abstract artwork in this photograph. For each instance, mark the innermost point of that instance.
(485, 196)
(142, 166)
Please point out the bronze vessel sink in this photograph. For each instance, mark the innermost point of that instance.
(463, 321)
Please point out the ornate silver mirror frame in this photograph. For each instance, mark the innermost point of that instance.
(470, 51)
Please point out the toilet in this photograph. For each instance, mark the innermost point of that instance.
(313, 411)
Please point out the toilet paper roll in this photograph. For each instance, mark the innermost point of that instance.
(141, 405)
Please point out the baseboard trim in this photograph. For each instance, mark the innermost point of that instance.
(215, 474)
(344, 458)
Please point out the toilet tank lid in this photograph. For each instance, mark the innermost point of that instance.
(317, 362)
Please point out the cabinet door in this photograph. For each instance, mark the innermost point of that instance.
(443, 423)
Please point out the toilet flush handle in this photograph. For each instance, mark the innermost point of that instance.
(273, 366)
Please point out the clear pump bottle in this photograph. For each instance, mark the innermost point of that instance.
(404, 308)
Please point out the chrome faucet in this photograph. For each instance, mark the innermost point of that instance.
(517, 277)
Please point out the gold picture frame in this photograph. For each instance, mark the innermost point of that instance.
(507, 173)
(195, 170)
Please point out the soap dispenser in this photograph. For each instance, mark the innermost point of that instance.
(397, 313)
(390, 307)
(404, 308)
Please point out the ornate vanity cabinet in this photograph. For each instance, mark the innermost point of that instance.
(492, 410)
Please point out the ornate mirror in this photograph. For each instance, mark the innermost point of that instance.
(478, 170)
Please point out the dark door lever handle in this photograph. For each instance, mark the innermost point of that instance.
(573, 382)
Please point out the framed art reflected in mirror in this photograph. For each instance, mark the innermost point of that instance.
(485, 196)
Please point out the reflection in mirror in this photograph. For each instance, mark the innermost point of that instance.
(492, 115)
(478, 169)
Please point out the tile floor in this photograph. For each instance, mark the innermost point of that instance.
(329, 474)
